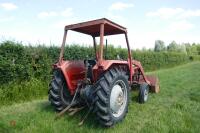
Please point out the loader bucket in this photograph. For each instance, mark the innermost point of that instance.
(154, 83)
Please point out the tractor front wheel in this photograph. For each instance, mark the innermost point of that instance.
(111, 97)
(143, 93)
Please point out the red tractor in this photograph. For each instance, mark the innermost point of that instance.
(101, 85)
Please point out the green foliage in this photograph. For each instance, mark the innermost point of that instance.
(194, 57)
(186, 48)
(182, 49)
(157, 60)
(26, 70)
(173, 46)
(193, 49)
(23, 91)
(198, 49)
(159, 46)
(13, 62)
(20, 63)
(39, 61)
(76, 52)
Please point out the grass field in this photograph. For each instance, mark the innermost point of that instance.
(175, 109)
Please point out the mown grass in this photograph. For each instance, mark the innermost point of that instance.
(175, 109)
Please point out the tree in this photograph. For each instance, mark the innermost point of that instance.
(144, 49)
(187, 46)
(193, 49)
(182, 48)
(173, 46)
(159, 46)
(198, 49)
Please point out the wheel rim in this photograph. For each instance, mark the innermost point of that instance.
(118, 98)
(145, 95)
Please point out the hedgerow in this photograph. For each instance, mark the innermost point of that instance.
(157, 60)
(25, 71)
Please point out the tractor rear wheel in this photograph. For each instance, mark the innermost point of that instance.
(112, 97)
(59, 95)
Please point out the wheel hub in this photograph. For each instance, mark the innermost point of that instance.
(118, 98)
(145, 95)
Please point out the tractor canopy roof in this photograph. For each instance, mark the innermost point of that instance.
(93, 27)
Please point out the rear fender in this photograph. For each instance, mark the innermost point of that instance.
(73, 72)
(106, 65)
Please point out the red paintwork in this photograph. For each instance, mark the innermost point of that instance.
(74, 71)
(154, 83)
(105, 65)
(92, 27)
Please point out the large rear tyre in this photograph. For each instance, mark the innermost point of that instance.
(112, 97)
(59, 95)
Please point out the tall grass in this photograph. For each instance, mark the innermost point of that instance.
(22, 91)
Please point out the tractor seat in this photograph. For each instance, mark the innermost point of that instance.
(91, 62)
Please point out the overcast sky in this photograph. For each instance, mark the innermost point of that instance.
(43, 21)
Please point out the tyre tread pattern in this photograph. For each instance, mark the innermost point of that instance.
(101, 105)
(142, 89)
(55, 89)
